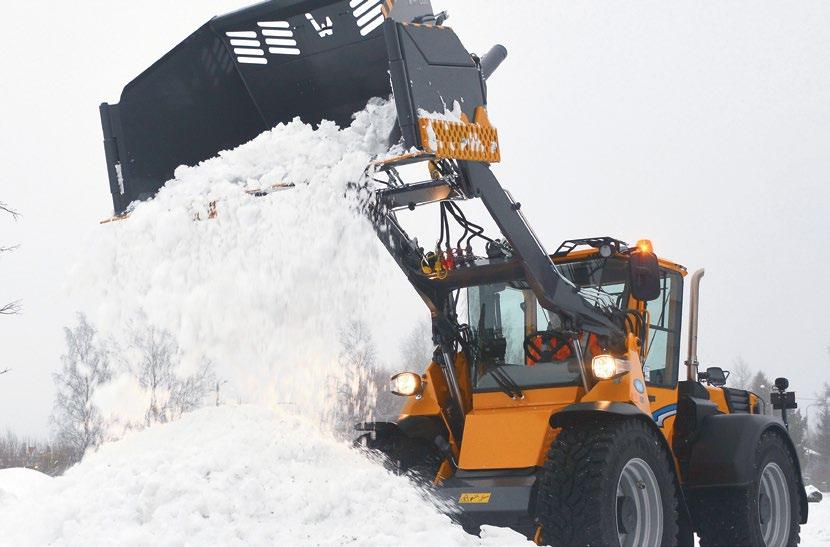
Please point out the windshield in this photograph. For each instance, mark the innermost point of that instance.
(515, 337)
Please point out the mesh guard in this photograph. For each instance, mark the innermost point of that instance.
(477, 141)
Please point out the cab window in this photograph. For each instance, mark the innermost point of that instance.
(506, 319)
(662, 360)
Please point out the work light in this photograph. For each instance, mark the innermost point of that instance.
(406, 384)
(606, 366)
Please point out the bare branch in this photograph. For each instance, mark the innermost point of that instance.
(12, 308)
(4, 371)
(5, 208)
(8, 249)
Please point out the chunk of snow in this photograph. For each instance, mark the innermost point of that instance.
(814, 495)
(447, 115)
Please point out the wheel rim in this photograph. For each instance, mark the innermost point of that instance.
(774, 506)
(639, 492)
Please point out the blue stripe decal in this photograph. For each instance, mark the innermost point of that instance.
(661, 414)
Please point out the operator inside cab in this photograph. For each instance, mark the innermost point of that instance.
(518, 343)
(551, 346)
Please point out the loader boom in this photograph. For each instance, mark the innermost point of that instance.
(431, 72)
(553, 291)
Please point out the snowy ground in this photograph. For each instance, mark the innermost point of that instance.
(817, 530)
(234, 475)
(239, 475)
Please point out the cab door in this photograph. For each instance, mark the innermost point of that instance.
(661, 362)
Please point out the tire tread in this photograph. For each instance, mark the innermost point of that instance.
(571, 488)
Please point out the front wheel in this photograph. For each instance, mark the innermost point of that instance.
(608, 482)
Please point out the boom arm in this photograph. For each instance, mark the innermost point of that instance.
(553, 291)
(431, 71)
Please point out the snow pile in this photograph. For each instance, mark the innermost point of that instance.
(232, 476)
(18, 482)
(262, 289)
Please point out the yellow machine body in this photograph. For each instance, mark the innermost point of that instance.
(501, 432)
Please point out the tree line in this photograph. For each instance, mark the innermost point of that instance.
(151, 358)
(810, 432)
(358, 392)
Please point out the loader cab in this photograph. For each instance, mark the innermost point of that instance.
(515, 336)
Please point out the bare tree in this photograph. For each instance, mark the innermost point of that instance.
(386, 406)
(417, 347)
(741, 375)
(762, 386)
(821, 440)
(189, 393)
(355, 388)
(156, 349)
(86, 366)
(155, 370)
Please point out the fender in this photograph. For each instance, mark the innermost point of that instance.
(723, 448)
(599, 409)
(578, 411)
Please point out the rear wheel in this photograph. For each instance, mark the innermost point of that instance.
(766, 513)
(416, 458)
(608, 482)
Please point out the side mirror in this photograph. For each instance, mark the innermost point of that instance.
(714, 376)
(644, 274)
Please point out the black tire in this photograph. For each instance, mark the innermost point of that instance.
(416, 458)
(577, 500)
(732, 516)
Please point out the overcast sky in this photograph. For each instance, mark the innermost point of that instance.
(703, 125)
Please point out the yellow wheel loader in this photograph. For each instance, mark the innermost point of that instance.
(555, 402)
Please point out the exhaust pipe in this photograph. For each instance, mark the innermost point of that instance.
(492, 59)
(694, 303)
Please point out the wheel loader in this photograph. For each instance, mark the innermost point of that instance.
(555, 402)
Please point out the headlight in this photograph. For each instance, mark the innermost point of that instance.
(406, 384)
(606, 367)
